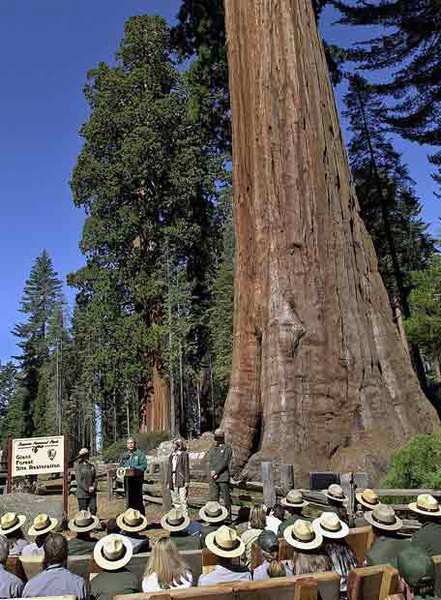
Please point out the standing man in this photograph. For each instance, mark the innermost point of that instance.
(85, 476)
(219, 458)
(134, 459)
(178, 476)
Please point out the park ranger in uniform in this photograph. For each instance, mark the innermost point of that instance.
(85, 476)
(219, 458)
(134, 459)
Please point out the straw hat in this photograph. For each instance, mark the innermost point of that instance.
(225, 542)
(42, 523)
(10, 522)
(330, 526)
(131, 520)
(302, 535)
(383, 517)
(112, 552)
(83, 521)
(335, 492)
(426, 505)
(213, 512)
(175, 520)
(294, 499)
(368, 498)
(83, 452)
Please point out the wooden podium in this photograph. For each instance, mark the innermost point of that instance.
(134, 474)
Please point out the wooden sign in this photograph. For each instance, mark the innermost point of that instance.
(37, 456)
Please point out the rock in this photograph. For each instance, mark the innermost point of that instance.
(164, 449)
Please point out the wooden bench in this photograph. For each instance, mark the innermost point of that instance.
(437, 565)
(373, 583)
(360, 540)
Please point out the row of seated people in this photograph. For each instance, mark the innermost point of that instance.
(317, 546)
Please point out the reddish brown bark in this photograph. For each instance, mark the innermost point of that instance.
(156, 408)
(320, 377)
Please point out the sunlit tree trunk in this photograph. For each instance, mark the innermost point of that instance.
(320, 377)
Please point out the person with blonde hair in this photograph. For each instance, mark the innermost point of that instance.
(165, 568)
(256, 526)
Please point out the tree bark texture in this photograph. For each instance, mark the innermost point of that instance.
(156, 407)
(320, 377)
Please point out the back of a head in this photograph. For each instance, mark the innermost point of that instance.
(4, 549)
(257, 517)
(278, 511)
(55, 549)
(416, 568)
(305, 561)
(166, 562)
(112, 527)
(276, 568)
(243, 514)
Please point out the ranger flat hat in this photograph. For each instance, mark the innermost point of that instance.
(225, 542)
(368, 498)
(10, 522)
(42, 524)
(302, 535)
(83, 521)
(426, 505)
(294, 498)
(175, 520)
(112, 552)
(383, 517)
(131, 520)
(213, 512)
(83, 452)
(335, 492)
(330, 526)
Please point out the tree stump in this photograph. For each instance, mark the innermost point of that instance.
(269, 490)
(286, 478)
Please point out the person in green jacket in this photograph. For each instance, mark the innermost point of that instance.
(293, 503)
(429, 513)
(134, 459)
(219, 458)
(417, 570)
(112, 553)
(388, 543)
(83, 523)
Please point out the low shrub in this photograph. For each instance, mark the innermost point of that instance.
(145, 441)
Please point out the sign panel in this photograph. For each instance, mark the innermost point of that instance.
(37, 456)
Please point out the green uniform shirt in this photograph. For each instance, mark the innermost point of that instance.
(108, 583)
(429, 538)
(186, 542)
(134, 460)
(385, 551)
(85, 476)
(77, 547)
(219, 458)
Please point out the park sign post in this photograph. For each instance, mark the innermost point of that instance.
(38, 456)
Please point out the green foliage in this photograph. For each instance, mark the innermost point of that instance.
(417, 464)
(424, 326)
(145, 441)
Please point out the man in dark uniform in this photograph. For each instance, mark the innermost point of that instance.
(219, 458)
(85, 476)
(134, 459)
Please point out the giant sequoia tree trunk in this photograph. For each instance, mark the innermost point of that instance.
(320, 377)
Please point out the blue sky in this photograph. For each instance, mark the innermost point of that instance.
(47, 46)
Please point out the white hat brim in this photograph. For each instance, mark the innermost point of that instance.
(315, 543)
(334, 498)
(395, 527)
(165, 525)
(21, 522)
(218, 519)
(34, 532)
(333, 535)
(209, 542)
(427, 513)
(284, 502)
(131, 529)
(112, 565)
(360, 500)
(77, 529)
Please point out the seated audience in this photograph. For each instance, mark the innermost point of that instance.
(212, 515)
(10, 526)
(306, 543)
(165, 569)
(429, 513)
(10, 585)
(131, 523)
(271, 565)
(334, 531)
(386, 526)
(256, 526)
(112, 553)
(177, 524)
(83, 523)
(366, 500)
(55, 579)
(293, 503)
(241, 522)
(227, 545)
(417, 574)
(274, 517)
(39, 530)
(337, 501)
